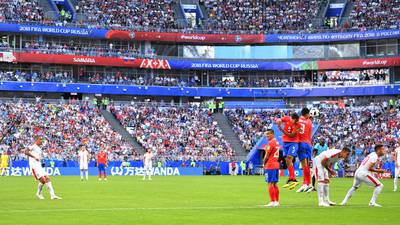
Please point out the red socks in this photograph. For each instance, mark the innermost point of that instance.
(276, 193)
(306, 175)
(105, 175)
(292, 176)
(100, 175)
(271, 193)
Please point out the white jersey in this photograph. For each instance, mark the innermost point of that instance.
(147, 158)
(371, 159)
(332, 155)
(36, 167)
(37, 152)
(398, 155)
(83, 159)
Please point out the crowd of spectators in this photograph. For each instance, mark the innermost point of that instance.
(348, 78)
(375, 14)
(21, 11)
(65, 127)
(357, 126)
(83, 49)
(182, 133)
(49, 76)
(327, 78)
(245, 15)
(129, 13)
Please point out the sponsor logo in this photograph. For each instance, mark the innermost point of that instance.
(374, 62)
(132, 35)
(238, 38)
(193, 37)
(155, 64)
(83, 60)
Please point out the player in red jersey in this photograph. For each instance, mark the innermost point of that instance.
(271, 168)
(290, 145)
(102, 163)
(305, 148)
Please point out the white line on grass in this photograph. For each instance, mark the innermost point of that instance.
(178, 208)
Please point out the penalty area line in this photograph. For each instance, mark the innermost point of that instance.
(182, 208)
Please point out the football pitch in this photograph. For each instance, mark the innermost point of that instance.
(186, 200)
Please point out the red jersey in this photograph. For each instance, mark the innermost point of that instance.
(102, 157)
(289, 127)
(272, 149)
(305, 131)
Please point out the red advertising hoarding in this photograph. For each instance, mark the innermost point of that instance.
(186, 38)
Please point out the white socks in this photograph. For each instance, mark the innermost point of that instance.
(40, 188)
(51, 189)
(396, 178)
(377, 190)
(326, 193)
(321, 192)
(348, 195)
(81, 175)
(87, 175)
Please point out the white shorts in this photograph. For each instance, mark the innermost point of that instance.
(365, 177)
(83, 166)
(148, 167)
(38, 171)
(320, 172)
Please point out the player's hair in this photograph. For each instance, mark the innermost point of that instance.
(305, 111)
(378, 147)
(295, 116)
(346, 149)
(270, 130)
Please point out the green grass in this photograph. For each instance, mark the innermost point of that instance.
(185, 200)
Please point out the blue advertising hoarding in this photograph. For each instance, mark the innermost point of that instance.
(54, 30)
(113, 171)
(329, 37)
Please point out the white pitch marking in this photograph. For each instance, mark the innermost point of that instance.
(179, 208)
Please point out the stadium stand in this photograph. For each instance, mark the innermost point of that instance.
(66, 126)
(181, 133)
(375, 14)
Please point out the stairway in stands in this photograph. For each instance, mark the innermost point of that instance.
(116, 126)
(230, 136)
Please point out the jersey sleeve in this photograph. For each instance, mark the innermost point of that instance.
(285, 119)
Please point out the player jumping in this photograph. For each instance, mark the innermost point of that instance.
(271, 168)
(364, 174)
(397, 166)
(148, 165)
(290, 145)
(35, 154)
(323, 170)
(83, 156)
(305, 149)
(102, 163)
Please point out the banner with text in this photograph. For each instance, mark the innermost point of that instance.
(329, 37)
(113, 171)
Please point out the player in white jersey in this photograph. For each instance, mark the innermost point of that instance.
(148, 164)
(83, 156)
(323, 170)
(364, 174)
(396, 166)
(35, 155)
